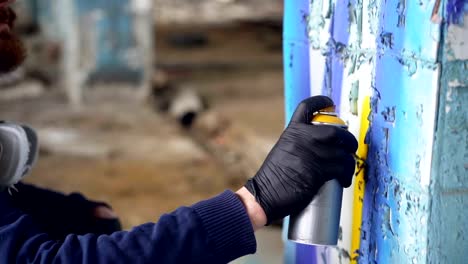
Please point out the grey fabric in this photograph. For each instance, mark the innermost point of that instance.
(18, 152)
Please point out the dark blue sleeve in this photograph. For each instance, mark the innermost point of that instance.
(217, 230)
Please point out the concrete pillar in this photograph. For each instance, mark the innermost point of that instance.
(72, 76)
(396, 59)
(143, 27)
(448, 221)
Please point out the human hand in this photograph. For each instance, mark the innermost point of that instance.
(60, 215)
(304, 158)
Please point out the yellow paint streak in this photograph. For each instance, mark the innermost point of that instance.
(360, 184)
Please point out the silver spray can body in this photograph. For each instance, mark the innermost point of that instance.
(319, 222)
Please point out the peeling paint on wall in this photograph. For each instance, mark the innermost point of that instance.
(448, 225)
(354, 98)
(401, 11)
(415, 70)
(389, 114)
(455, 42)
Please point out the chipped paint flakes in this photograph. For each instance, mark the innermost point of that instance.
(389, 114)
(456, 41)
(401, 11)
(454, 84)
(387, 40)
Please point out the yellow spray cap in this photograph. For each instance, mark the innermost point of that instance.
(328, 116)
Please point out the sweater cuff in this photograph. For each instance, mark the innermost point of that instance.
(228, 226)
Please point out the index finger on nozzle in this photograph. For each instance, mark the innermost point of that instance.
(306, 109)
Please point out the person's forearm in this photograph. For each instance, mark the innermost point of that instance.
(217, 230)
(255, 212)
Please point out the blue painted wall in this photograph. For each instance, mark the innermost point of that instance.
(404, 55)
(297, 81)
(114, 37)
(106, 29)
(296, 54)
(396, 206)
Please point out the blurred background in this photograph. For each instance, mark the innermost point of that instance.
(150, 104)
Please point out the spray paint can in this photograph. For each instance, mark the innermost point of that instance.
(319, 222)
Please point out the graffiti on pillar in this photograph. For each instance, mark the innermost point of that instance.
(386, 51)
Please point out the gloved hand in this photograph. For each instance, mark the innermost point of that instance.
(304, 158)
(60, 215)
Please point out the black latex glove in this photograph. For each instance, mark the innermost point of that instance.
(304, 158)
(60, 215)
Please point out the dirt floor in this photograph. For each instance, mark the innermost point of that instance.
(141, 162)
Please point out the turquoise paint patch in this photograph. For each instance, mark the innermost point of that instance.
(448, 229)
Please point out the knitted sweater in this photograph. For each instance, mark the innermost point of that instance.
(217, 230)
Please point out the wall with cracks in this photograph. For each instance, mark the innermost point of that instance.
(448, 222)
(404, 61)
